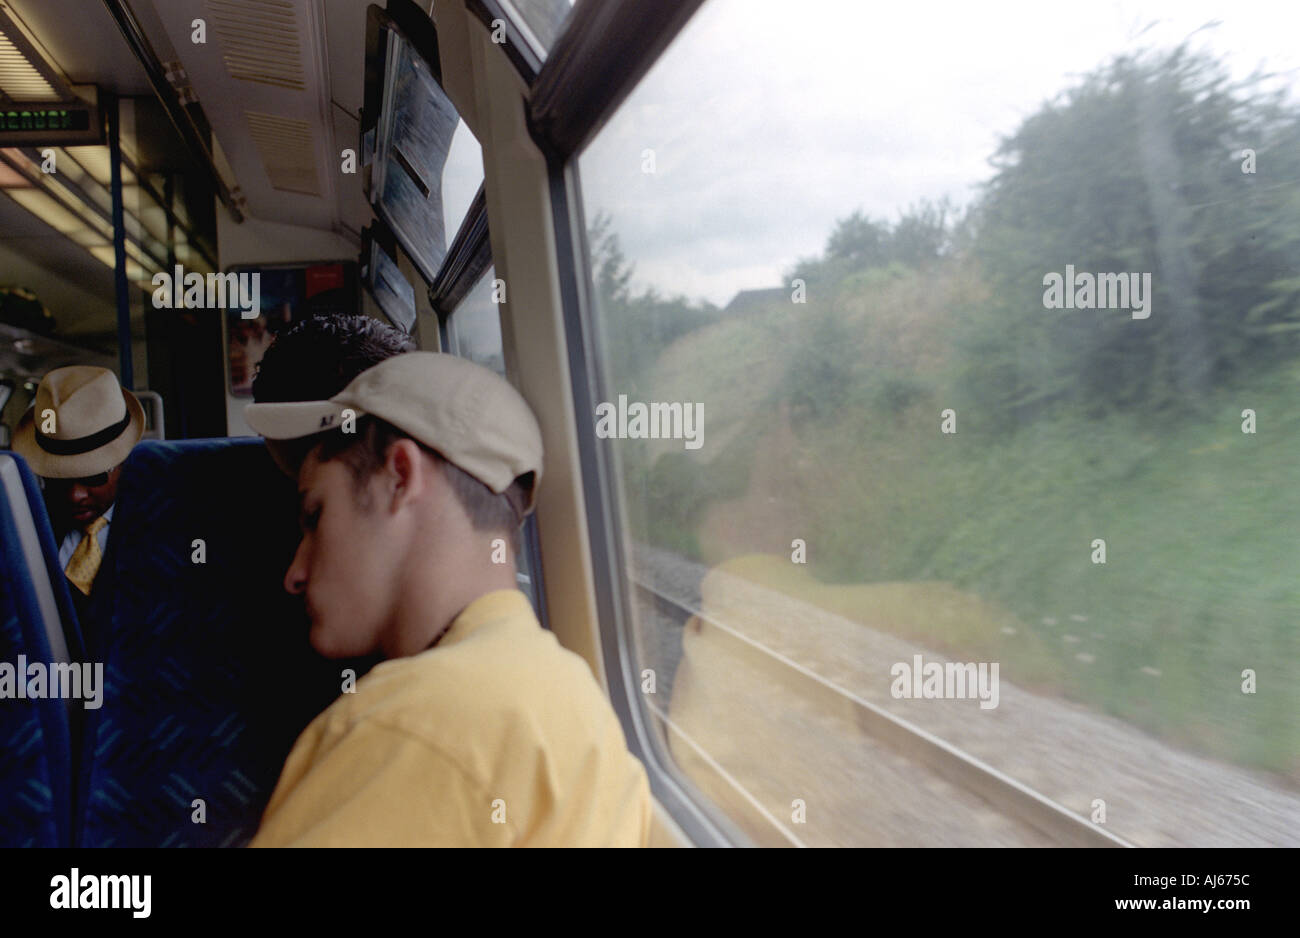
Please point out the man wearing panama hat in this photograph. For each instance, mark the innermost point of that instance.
(78, 431)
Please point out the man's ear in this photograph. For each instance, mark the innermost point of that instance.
(407, 471)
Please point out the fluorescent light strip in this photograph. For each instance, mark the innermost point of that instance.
(97, 162)
(74, 227)
(145, 217)
(65, 195)
(19, 79)
(49, 210)
(104, 254)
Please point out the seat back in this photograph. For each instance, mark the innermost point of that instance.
(155, 423)
(209, 674)
(37, 627)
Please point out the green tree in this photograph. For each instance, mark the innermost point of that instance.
(635, 327)
(922, 235)
(1139, 169)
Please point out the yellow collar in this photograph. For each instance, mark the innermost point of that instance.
(490, 607)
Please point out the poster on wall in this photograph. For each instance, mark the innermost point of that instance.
(287, 293)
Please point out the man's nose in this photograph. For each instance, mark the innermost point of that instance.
(295, 579)
(79, 495)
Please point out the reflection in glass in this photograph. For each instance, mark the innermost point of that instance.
(912, 456)
(474, 329)
(474, 332)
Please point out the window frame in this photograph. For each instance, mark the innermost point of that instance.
(468, 258)
(607, 48)
(596, 63)
(522, 54)
(463, 283)
(703, 822)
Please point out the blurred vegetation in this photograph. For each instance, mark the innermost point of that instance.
(1139, 168)
(823, 417)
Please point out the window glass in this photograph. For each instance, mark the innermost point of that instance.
(474, 328)
(951, 376)
(474, 332)
(542, 20)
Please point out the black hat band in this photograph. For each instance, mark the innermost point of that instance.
(82, 444)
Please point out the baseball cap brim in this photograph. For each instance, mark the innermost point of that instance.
(470, 416)
(291, 420)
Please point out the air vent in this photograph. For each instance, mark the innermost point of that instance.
(287, 150)
(259, 41)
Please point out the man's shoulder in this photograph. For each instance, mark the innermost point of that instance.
(506, 713)
(505, 690)
(503, 667)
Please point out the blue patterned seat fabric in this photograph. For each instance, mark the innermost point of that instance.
(35, 751)
(209, 677)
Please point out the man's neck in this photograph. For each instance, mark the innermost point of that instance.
(438, 596)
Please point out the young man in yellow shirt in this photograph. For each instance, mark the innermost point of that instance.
(477, 729)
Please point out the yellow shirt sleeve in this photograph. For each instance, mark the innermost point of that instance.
(381, 787)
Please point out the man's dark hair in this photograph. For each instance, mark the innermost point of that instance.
(363, 452)
(317, 358)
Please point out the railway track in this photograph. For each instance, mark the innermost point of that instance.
(865, 776)
(786, 699)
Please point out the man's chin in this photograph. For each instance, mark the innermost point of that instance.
(323, 643)
(329, 644)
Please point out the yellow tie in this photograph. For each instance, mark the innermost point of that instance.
(85, 560)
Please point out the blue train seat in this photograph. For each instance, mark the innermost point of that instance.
(37, 626)
(209, 676)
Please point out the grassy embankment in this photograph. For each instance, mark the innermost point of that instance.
(953, 539)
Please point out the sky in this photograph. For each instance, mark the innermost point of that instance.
(771, 119)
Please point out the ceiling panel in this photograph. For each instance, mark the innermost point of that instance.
(262, 80)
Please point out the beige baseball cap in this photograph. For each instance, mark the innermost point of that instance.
(468, 414)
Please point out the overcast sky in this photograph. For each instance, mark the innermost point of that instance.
(771, 119)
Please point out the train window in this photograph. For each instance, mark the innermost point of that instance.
(542, 20)
(474, 332)
(956, 479)
(474, 327)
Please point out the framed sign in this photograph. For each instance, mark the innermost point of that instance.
(407, 124)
